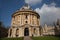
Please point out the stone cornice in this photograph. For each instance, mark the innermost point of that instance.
(25, 12)
(24, 26)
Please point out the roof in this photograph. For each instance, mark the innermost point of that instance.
(26, 8)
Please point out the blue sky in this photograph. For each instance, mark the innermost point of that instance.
(8, 7)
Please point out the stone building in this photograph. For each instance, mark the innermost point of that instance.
(50, 30)
(25, 22)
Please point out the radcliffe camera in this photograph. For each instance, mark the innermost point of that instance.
(30, 20)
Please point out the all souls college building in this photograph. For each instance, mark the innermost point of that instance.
(26, 22)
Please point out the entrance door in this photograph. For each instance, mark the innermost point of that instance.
(26, 32)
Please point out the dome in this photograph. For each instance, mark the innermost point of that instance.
(26, 8)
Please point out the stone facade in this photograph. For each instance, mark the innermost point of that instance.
(25, 22)
(50, 30)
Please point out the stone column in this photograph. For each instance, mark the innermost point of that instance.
(21, 32)
(12, 21)
(38, 33)
(35, 20)
(32, 29)
(23, 18)
(39, 21)
(16, 20)
(9, 33)
(20, 20)
(30, 32)
(32, 19)
(29, 19)
(14, 32)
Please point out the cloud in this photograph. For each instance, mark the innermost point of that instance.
(53, 4)
(32, 2)
(48, 13)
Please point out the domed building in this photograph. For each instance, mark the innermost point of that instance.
(25, 22)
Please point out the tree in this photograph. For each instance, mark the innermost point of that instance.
(3, 30)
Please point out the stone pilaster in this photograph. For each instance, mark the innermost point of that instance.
(20, 20)
(9, 33)
(30, 32)
(29, 19)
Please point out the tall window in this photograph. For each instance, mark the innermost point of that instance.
(34, 30)
(26, 22)
(26, 17)
(17, 32)
(14, 18)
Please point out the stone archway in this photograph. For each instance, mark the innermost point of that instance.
(26, 32)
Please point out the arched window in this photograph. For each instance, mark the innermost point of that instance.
(26, 22)
(34, 30)
(26, 17)
(17, 32)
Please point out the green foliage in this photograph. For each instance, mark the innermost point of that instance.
(46, 38)
(11, 38)
(2, 25)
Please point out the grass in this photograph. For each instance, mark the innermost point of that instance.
(46, 38)
(35, 38)
(11, 38)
